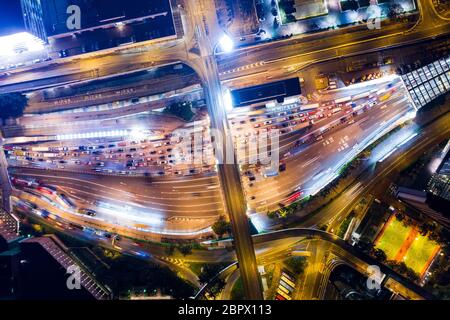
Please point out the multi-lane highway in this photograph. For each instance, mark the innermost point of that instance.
(317, 153)
(158, 201)
(228, 170)
(274, 56)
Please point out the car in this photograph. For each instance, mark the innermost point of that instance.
(88, 212)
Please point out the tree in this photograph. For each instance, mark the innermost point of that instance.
(379, 254)
(297, 264)
(427, 228)
(169, 250)
(181, 110)
(276, 23)
(12, 105)
(209, 271)
(395, 11)
(400, 216)
(216, 287)
(185, 249)
(221, 226)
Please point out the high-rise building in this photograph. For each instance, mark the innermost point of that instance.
(439, 184)
(78, 26)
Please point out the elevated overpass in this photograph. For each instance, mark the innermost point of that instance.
(334, 252)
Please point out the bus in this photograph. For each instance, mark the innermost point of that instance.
(289, 282)
(50, 155)
(284, 289)
(75, 226)
(270, 172)
(46, 191)
(65, 201)
(291, 198)
(309, 107)
(21, 182)
(385, 97)
(284, 295)
(287, 276)
(40, 149)
(343, 100)
(361, 96)
(286, 286)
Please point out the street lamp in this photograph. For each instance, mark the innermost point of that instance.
(227, 100)
(226, 43)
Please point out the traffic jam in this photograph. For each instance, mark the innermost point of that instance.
(108, 156)
(297, 125)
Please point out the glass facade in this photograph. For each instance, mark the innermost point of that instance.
(429, 82)
(48, 18)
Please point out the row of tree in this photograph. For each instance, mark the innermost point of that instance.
(12, 105)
